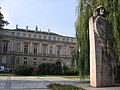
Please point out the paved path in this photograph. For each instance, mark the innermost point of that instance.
(40, 83)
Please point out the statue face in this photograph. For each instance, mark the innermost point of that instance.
(102, 11)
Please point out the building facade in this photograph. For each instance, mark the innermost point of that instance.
(27, 47)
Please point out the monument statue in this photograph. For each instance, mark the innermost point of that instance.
(102, 52)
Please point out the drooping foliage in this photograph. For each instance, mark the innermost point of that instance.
(84, 12)
(2, 21)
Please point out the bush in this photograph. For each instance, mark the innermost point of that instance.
(53, 69)
(63, 87)
(71, 71)
(118, 75)
(48, 69)
(23, 70)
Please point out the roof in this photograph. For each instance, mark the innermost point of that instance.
(39, 32)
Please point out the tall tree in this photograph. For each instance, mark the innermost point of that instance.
(2, 21)
(84, 10)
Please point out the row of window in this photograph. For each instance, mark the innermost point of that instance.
(44, 49)
(35, 49)
(42, 37)
(34, 62)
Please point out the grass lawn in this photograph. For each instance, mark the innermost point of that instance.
(63, 87)
(63, 76)
(6, 74)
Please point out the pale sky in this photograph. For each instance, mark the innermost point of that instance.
(57, 15)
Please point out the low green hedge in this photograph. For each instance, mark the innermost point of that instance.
(23, 70)
(63, 87)
(44, 69)
(53, 69)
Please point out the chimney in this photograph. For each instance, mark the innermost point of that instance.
(36, 28)
(48, 31)
(16, 26)
(26, 27)
(40, 30)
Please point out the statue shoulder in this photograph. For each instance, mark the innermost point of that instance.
(91, 18)
(100, 20)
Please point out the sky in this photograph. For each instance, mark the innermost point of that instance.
(57, 15)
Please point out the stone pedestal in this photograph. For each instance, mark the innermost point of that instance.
(101, 71)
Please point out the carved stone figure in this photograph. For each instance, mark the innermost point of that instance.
(102, 53)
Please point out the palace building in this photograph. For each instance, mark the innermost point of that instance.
(33, 47)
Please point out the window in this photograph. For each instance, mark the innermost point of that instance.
(13, 33)
(45, 37)
(44, 60)
(18, 34)
(71, 40)
(17, 61)
(25, 61)
(71, 50)
(50, 61)
(58, 39)
(49, 38)
(67, 40)
(24, 35)
(40, 36)
(50, 52)
(54, 38)
(7, 33)
(35, 49)
(44, 50)
(58, 51)
(29, 35)
(5, 46)
(4, 59)
(17, 47)
(25, 48)
(63, 39)
(34, 36)
(34, 61)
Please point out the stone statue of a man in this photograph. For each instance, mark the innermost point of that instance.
(102, 53)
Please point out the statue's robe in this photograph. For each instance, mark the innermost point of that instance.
(102, 58)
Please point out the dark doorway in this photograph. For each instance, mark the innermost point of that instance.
(58, 63)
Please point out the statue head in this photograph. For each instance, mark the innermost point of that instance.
(100, 11)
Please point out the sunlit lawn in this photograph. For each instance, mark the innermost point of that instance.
(6, 74)
(63, 76)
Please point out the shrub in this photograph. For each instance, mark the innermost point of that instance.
(53, 69)
(48, 69)
(23, 70)
(63, 87)
(70, 71)
(118, 75)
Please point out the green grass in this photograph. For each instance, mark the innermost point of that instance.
(6, 74)
(63, 76)
(74, 76)
(63, 87)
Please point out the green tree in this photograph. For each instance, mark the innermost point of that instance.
(84, 12)
(2, 21)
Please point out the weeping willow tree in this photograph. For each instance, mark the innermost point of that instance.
(2, 21)
(84, 12)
